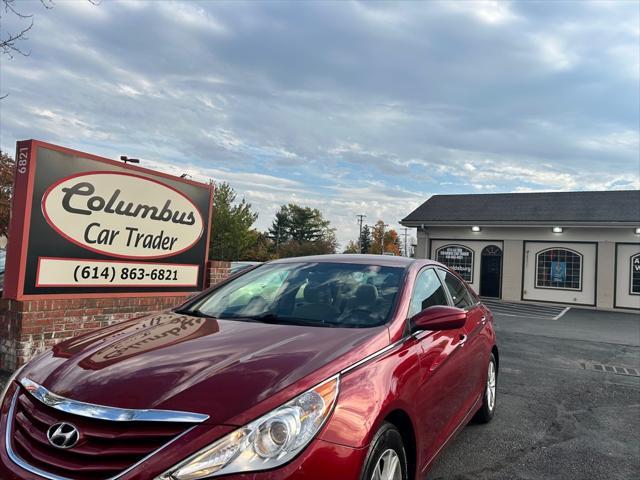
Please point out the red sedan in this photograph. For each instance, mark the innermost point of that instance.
(331, 367)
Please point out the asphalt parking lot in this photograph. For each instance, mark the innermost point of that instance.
(561, 414)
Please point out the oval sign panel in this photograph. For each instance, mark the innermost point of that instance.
(122, 215)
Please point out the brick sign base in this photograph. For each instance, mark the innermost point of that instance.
(28, 327)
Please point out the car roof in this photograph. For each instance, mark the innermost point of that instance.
(382, 260)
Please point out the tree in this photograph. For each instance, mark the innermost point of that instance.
(7, 171)
(365, 239)
(301, 224)
(377, 232)
(352, 247)
(392, 242)
(231, 232)
(279, 231)
(303, 249)
(383, 240)
(261, 249)
(299, 231)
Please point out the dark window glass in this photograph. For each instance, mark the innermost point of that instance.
(559, 268)
(427, 292)
(458, 290)
(635, 274)
(457, 258)
(307, 293)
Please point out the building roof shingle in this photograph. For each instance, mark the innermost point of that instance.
(610, 207)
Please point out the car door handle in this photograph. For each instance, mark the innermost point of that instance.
(463, 340)
(483, 320)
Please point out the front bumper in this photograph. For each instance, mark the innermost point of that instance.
(321, 460)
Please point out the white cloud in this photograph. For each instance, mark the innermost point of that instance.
(492, 12)
(554, 52)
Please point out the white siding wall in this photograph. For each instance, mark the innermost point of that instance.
(513, 239)
(586, 295)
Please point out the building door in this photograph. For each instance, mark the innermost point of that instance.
(491, 271)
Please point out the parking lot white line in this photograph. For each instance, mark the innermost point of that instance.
(521, 315)
(525, 306)
(551, 313)
(557, 317)
(524, 310)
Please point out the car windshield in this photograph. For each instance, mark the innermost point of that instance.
(317, 294)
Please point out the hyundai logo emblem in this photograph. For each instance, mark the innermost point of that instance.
(63, 435)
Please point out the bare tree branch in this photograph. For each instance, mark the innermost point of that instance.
(9, 45)
(10, 42)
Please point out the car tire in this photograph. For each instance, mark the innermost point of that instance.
(386, 451)
(488, 408)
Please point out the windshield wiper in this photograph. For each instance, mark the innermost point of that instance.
(194, 313)
(272, 318)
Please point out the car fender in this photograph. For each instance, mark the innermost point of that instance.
(372, 391)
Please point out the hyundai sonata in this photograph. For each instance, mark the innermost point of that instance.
(331, 367)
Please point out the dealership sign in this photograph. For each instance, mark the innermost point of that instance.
(123, 215)
(87, 225)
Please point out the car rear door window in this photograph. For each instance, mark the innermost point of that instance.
(459, 293)
(427, 292)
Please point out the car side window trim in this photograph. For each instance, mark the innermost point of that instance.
(446, 290)
(415, 283)
(469, 307)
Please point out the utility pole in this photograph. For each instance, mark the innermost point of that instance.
(360, 218)
(382, 238)
(406, 233)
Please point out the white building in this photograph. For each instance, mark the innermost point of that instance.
(573, 248)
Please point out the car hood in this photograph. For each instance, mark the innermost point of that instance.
(178, 362)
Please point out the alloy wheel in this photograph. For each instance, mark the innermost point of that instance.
(491, 386)
(388, 467)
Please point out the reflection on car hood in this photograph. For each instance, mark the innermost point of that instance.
(177, 362)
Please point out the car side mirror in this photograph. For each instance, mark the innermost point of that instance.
(438, 317)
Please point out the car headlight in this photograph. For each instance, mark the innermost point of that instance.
(268, 442)
(7, 386)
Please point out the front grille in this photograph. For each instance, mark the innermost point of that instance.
(105, 448)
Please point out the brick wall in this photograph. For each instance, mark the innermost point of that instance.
(28, 327)
(218, 271)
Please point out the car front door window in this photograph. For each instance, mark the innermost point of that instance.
(427, 292)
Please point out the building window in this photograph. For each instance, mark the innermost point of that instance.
(457, 258)
(634, 286)
(559, 268)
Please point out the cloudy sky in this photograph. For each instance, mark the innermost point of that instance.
(351, 107)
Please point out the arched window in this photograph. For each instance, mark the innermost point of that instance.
(458, 258)
(559, 268)
(634, 285)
